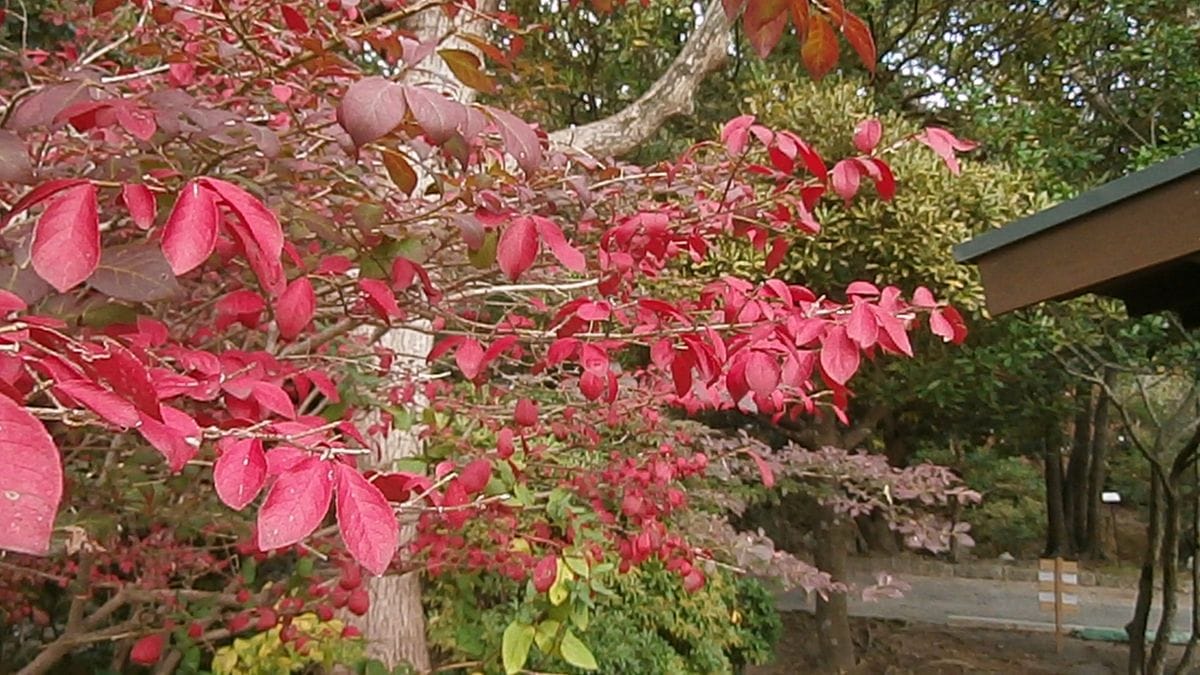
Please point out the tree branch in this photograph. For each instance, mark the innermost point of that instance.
(706, 49)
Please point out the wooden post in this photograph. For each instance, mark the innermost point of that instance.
(1058, 606)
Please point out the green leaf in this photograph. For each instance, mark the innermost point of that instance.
(249, 570)
(547, 631)
(514, 650)
(576, 653)
(580, 616)
(577, 565)
(484, 257)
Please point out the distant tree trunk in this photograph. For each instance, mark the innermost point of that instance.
(833, 617)
(1075, 495)
(1136, 628)
(1169, 563)
(1057, 540)
(1098, 469)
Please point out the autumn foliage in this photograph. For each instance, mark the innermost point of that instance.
(209, 210)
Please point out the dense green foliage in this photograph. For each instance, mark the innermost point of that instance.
(647, 624)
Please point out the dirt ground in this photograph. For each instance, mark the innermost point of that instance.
(899, 648)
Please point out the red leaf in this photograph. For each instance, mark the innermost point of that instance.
(371, 108)
(273, 398)
(191, 230)
(764, 22)
(568, 255)
(31, 481)
(295, 308)
(526, 414)
(867, 135)
(517, 248)
(260, 220)
(148, 650)
(885, 181)
(820, 49)
(125, 374)
(380, 298)
(141, 204)
(66, 239)
(762, 373)
(545, 572)
(177, 437)
(469, 358)
(11, 302)
(100, 8)
(366, 520)
(475, 476)
(114, 409)
(38, 195)
(764, 469)
(858, 35)
(138, 122)
(594, 311)
(296, 504)
(839, 355)
(240, 471)
(294, 20)
(519, 139)
(862, 328)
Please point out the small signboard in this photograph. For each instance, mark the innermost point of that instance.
(1058, 581)
(1110, 497)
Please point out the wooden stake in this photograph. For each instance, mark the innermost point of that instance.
(1058, 604)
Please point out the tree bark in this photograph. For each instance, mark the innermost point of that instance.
(1098, 468)
(706, 49)
(1190, 661)
(833, 616)
(1169, 563)
(1075, 495)
(1136, 628)
(1057, 540)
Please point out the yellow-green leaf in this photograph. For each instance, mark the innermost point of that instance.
(514, 649)
(576, 653)
(547, 631)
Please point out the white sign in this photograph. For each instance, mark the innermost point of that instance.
(1110, 497)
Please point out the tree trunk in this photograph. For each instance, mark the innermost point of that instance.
(1098, 468)
(1075, 496)
(833, 616)
(1190, 661)
(1169, 562)
(1057, 540)
(1136, 628)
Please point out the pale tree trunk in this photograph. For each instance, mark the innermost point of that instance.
(395, 625)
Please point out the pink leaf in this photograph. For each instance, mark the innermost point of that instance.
(568, 255)
(923, 298)
(469, 358)
(240, 471)
(191, 230)
(296, 504)
(141, 204)
(11, 302)
(846, 177)
(366, 520)
(31, 481)
(295, 307)
(885, 181)
(112, 408)
(517, 248)
(867, 135)
(762, 373)
(839, 355)
(519, 139)
(66, 239)
(371, 108)
(764, 469)
(177, 436)
(862, 328)
(945, 144)
(736, 133)
(438, 116)
(594, 311)
(273, 398)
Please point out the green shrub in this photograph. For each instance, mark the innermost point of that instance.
(649, 625)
